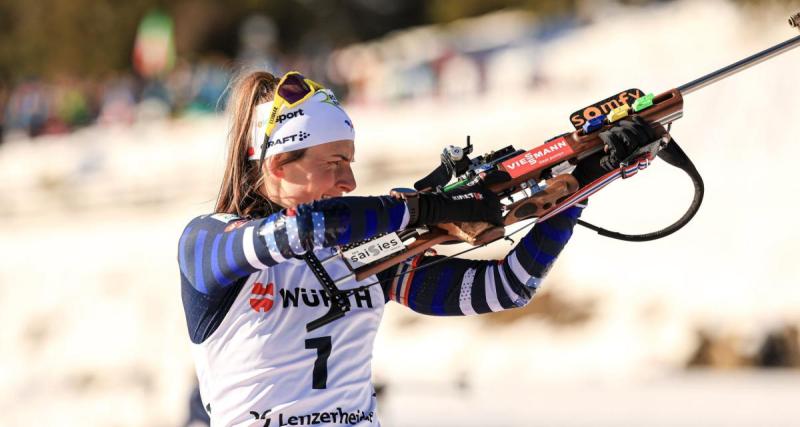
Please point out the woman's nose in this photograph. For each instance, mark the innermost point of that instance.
(346, 182)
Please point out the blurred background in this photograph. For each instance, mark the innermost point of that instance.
(112, 137)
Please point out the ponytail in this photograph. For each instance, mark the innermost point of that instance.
(239, 193)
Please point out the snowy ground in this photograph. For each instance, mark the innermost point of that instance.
(89, 287)
(683, 399)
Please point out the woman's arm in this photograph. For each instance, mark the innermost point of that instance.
(217, 250)
(461, 287)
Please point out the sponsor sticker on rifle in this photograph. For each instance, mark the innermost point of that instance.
(373, 250)
(626, 97)
(539, 157)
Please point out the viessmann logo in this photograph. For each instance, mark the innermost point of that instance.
(542, 156)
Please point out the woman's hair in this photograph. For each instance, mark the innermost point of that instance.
(239, 193)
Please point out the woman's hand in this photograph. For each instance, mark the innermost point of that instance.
(620, 142)
(624, 139)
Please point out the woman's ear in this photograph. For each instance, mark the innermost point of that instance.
(274, 167)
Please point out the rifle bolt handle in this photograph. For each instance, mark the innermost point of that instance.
(455, 153)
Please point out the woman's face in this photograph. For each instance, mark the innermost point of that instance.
(323, 171)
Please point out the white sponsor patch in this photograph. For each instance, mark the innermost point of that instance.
(373, 250)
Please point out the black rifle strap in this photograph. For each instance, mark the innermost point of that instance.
(675, 156)
(340, 303)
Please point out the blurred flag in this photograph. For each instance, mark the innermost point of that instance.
(154, 49)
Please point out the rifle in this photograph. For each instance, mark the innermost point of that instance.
(537, 183)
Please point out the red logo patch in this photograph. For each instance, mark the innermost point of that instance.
(262, 297)
(538, 158)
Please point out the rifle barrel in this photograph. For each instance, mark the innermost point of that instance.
(739, 66)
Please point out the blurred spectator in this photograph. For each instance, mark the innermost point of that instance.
(3, 101)
(27, 108)
(460, 77)
(209, 80)
(70, 103)
(258, 39)
(118, 102)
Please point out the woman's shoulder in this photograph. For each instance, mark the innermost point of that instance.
(216, 222)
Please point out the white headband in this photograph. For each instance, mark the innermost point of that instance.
(318, 120)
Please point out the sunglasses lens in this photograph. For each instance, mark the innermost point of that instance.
(293, 88)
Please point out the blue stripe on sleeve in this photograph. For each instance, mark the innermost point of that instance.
(215, 270)
(573, 212)
(182, 253)
(344, 222)
(396, 214)
(557, 235)
(535, 252)
(544, 259)
(444, 285)
(199, 281)
(229, 255)
(371, 219)
(530, 245)
(416, 284)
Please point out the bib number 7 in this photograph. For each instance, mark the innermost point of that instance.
(320, 374)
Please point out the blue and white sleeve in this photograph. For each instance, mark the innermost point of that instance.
(216, 250)
(463, 287)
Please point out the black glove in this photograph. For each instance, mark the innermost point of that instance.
(625, 138)
(620, 142)
(471, 204)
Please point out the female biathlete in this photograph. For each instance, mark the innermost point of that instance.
(248, 293)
